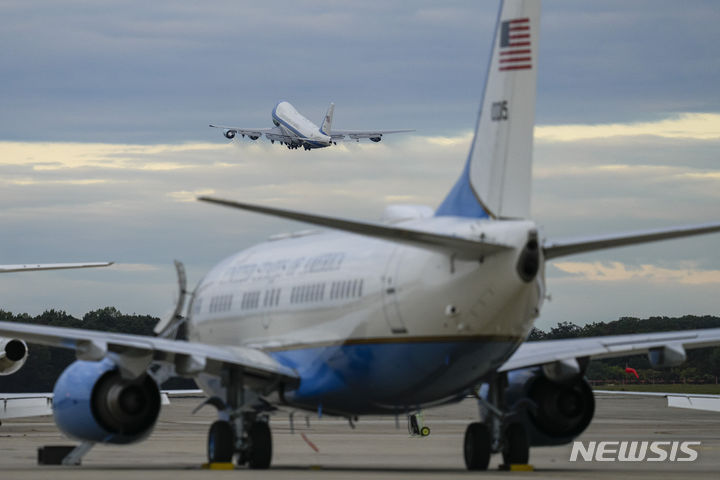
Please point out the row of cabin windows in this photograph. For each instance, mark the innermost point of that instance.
(313, 292)
(220, 303)
(250, 300)
(346, 289)
(272, 298)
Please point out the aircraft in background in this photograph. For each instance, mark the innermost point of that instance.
(14, 351)
(294, 130)
(376, 318)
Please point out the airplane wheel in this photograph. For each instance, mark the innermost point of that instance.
(477, 446)
(425, 431)
(221, 442)
(260, 453)
(516, 448)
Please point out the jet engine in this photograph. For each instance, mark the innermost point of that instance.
(375, 139)
(554, 413)
(229, 134)
(13, 354)
(253, 137)
(93, 402)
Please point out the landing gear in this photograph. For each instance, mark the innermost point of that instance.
(500, 432)
(260, 448)
(477, 446)
(253, 449)
(416, 425)
(221, 442)
(516, 446)
(242, 429)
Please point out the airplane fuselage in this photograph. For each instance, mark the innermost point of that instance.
(373, 326)
(293, 124)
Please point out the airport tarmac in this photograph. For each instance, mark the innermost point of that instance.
(374, 449)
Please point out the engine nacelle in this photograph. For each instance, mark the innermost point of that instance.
(13, 355)
(561, 410)
(375, 139)
(92, 402)
(253, 137)
(229, 134)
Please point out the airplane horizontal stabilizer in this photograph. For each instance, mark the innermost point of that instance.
(462, 247)
(561, 248)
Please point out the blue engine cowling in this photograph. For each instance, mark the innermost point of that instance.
(558, 411)
(92, 402)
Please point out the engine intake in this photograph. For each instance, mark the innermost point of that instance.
(93, 402)
(229, 134)
(13, 355)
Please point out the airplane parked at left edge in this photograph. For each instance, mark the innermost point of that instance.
(14, 351)
(294, 130)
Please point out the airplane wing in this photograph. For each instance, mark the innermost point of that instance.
(250, 132)
(570, 350)
(337, 135)
(561, 248)
(50, 266)
(692, 401)
(188, 357)
(463, 247)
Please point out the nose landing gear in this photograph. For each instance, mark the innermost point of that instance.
(416, 425)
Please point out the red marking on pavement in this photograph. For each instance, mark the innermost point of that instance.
(307, 440)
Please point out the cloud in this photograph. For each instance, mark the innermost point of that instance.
(694, 126)
(620, 272)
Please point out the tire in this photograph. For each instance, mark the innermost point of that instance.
(477, 446)
(425, 431)
(516, 445)
(221, 442)
(260, 453)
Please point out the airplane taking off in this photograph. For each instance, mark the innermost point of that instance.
(377, 318)
(294, 130)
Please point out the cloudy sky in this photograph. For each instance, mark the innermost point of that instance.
(104, 141)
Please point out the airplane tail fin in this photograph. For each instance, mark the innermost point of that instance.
(327, 121)
(497, 177)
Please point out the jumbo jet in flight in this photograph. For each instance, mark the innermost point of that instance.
(294, 130)
(367, 318)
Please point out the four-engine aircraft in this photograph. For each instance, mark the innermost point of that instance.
(377, 318)
(294, 130)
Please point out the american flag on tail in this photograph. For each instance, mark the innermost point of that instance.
(515, 47)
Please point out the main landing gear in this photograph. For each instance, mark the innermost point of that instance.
(500, 432)
(254, 448)
(242, 429)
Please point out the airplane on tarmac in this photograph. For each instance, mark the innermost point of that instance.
(14, 351)
(294, 130)
(377, 318)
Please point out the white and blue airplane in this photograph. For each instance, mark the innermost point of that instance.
(294, 130)
(422, 309)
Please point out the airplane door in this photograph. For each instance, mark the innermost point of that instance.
(390, 292)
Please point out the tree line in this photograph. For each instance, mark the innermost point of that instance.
(45, 364)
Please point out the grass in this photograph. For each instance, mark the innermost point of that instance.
(708, 388)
